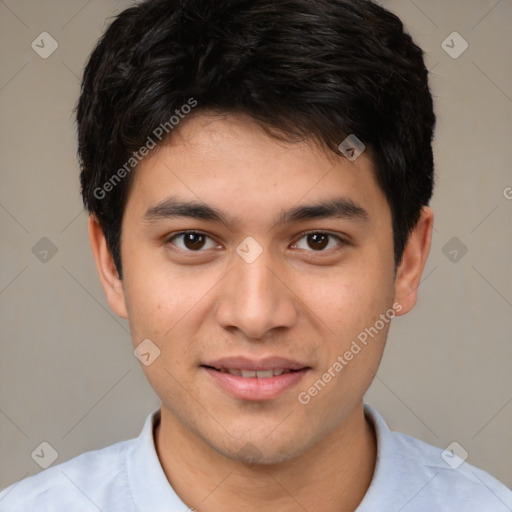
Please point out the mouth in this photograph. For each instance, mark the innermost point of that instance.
(260, 374)
(255, 380)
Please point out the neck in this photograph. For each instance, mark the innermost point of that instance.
(332, 476)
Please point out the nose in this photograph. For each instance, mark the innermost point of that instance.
(255, 298)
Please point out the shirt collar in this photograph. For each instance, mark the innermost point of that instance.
(150, 489)
(384, 463)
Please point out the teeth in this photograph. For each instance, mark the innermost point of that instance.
(264, 374)
(261, 374)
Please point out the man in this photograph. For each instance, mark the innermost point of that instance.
(258, 175)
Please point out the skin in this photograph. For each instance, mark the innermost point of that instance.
(293, 301)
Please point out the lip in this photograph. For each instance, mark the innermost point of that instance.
(255, 388)
(245, 363)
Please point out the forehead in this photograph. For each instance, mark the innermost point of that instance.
(230, 163)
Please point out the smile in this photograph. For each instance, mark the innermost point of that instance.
(260, 374)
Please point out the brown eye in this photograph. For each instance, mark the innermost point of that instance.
(192, 241)
(318, 241)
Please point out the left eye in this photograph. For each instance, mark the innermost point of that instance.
(193, 241)
(318, 241)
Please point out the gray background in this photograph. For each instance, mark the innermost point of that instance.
(68, 374)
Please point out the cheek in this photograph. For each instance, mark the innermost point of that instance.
(349, 358)
(161, 310)
(156, 302)
(353, 298)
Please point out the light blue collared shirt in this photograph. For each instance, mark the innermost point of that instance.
(409, 476)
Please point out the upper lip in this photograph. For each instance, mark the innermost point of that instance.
(245, 363)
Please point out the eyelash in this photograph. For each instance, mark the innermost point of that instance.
(341, 241)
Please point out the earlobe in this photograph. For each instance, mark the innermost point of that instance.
(414, 258)
(109, 277)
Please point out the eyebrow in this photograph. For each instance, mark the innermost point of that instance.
(339, 208)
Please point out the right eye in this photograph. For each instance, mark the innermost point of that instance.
(192, 241)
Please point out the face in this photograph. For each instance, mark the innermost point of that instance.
(286, 262)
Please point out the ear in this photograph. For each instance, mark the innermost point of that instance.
(410, 269)
(107, 271)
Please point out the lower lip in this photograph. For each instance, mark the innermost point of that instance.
(254, 388)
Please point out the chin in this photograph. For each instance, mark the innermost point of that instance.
(260, 453)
